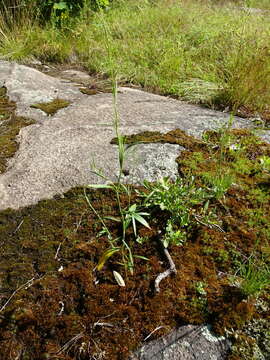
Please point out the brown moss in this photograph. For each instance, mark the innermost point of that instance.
(85, 301)
(176, 136)
(97, 86)
(51, 108)
(249, 112)
(70, 302)
(95, 90)
(10, 126)
(88, 91)
(233, 312)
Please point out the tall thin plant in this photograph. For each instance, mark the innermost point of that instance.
(130, 215)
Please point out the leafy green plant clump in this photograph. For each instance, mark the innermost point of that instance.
(180, 200)
(58, 12)
(255, 276)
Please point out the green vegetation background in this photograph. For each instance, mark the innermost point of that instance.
(211, 52)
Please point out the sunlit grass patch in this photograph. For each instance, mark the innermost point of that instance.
(209, 54)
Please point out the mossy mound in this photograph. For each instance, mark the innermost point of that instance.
(10, 126)
(51, 107)
(177, 136)
(88, 91)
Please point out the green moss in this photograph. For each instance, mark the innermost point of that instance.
(96, 89)
(88, 91)
(50, 108)
(3, 91)
(10, 126)
(32, 235)
(245, 166)
(222, 256)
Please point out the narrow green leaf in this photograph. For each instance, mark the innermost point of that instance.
(206, 205)
(141, 257)
(132, 208)
(112, 218)
(141, 220)
(105, 256)
(165, 243)
(134, 226)
(100, 186)
(143, 213)
(126, 222)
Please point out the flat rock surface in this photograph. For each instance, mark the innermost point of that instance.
(189, 342)
(58, 151)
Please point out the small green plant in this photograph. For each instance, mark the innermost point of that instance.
(131, 214)
(222, 256)
(219, 183)
(200, 300)
(178, 198)
(255, 276)
(173, 236)
(265, 163)
(128, 216)
(200, 288)
(222, 180)
(225, 139)
(61, 12)
(247, 3)
(243, 166)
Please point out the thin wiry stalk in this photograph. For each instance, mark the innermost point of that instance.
(120, 138)
(121, 154)
(25, 285)
(99, 217)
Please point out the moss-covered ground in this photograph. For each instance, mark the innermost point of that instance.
(55, 304)
(10, 125)
(51, 107)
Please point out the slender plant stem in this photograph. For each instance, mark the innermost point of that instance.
(99, 217)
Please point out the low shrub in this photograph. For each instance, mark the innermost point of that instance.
(55, 10)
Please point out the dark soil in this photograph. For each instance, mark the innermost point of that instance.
(69, 310)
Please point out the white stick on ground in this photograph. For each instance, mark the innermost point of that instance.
(168, 272)
(26, 285)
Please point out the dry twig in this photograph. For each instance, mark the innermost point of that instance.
(166, 273)
(152, 332)
(25, 285)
